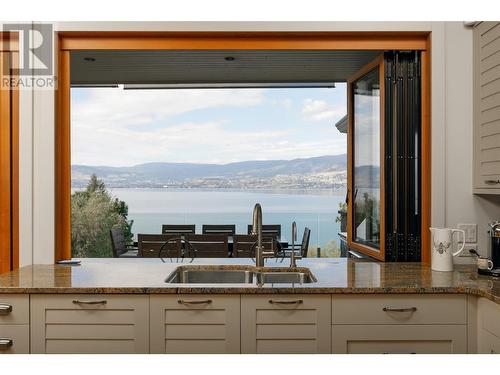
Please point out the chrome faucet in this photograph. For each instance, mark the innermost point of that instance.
(260, 254)
(293, 257)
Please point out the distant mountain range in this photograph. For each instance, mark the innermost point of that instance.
(297, 172)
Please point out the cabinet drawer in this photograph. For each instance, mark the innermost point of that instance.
(286, 324)
(14, 308)
(89, 324)
(197, 324)
(383, 309)
(404, 339)
(18, 337)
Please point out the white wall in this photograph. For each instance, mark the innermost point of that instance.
(461, 206)
(452, 199)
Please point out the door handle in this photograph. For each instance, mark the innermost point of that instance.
(407, 309)
(5, 309)
(100, 302)
(5, 343)
(492, 182)
(194, 302)
(285, 302)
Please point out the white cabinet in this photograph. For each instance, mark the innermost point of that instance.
(487, 108)
(285, 323)
(248, 323)
(400, 339)
(89, 324)
(14, 324)
(199, 324)
(488, 328)
(368, 324)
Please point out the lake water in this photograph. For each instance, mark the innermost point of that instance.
(150, 208)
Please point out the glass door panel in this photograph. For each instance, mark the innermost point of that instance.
(365, 174)
(366, 159)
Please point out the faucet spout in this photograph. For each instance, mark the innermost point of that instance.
(257, 230)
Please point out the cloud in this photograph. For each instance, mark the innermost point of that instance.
(119, 108)
(126, 127)
(320, 110)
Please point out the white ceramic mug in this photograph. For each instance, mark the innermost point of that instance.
(484, 264)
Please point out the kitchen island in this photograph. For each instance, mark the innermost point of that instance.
(125, 306)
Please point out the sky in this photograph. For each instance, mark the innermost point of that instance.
(116, 127)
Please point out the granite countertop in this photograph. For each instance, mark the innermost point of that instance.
(334, 275)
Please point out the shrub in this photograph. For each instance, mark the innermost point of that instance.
(94, 212)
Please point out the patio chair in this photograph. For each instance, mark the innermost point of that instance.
(302, 247)
(270, 230)
(227, 229)
(150, 245)
(178, 229)
(244, 245)
(119, 247)
(209, 245)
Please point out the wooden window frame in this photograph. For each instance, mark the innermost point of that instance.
(366, 249)
(78, 41)
(9, 157)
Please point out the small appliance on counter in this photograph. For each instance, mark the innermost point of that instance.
(493, 268)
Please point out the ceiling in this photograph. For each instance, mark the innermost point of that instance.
(205, 67)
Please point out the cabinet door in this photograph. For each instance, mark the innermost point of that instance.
(488, 343)
(488, 319)
(399, 339)
(487, 108)
(89, 324)
(285, 324)
(198, 324)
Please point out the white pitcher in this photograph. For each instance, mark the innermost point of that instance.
(442, 243)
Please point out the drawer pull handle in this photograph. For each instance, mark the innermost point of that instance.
(194, 302)
(408, 309)
(78, 302)
(5, 309)
(398, 353)
(492, 182)
(5, 344)
(286, 302)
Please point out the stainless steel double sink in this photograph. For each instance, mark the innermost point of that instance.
(206, 274)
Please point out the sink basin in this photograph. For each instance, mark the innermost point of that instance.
(191, 275)
(285, 277)
(212, 274)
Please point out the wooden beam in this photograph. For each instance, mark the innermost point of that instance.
(14, 94)
(5, 168)
(9, 41)
(63, 160)
(242, 41)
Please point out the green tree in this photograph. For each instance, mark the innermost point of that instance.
(94, 212)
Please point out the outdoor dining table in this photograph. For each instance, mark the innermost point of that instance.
(283, 242)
